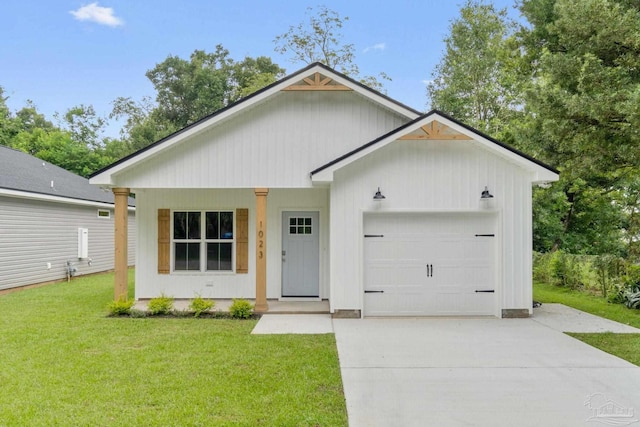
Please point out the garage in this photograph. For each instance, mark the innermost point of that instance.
(430, 264)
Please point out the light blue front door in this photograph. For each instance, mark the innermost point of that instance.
(300, 254)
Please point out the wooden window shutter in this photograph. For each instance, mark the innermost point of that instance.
(164, 241)
(242, 241)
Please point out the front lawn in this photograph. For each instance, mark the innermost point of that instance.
(65, 363)
(625, 346)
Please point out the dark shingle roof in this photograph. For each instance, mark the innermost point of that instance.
(23, 172)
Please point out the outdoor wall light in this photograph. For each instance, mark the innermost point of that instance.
(486, 195)
(378, 196)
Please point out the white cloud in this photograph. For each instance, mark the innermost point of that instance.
(377, 46)
(94, 13)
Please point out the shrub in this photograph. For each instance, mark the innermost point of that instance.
(120, 307)
(616, 294)
(632, 299)
(565, 269)
(241, 309)
(160, 305)
(200, 305)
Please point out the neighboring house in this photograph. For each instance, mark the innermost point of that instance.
(50, 217)
(318, 187)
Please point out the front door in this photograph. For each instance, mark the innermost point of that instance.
(300, 254)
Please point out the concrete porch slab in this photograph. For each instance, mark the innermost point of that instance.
(294, 324)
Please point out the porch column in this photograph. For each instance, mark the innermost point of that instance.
(261, 250)
(121, 242)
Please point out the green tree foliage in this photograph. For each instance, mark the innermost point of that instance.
(58, 147)
(320, 40)
(478, 80)
(9, 126)
(584, 116)
(188, 90)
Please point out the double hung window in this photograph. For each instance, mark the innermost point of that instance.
(203, 241)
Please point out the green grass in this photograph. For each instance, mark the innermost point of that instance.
(63, 362)
(625, 346)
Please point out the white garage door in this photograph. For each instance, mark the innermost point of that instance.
(429, 264)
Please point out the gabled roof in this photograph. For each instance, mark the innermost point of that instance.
(22, 174)
(307, 78)
(437, 125)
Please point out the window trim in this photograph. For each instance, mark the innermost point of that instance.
(203, 241)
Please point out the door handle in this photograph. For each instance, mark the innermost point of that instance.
(429, 270)
(488, 291)
(374, 292)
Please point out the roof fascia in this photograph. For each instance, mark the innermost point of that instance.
(56, 199)
(540, 171)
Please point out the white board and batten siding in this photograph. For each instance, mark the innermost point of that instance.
(36, 233)
(212, 284)
(275, 144)
(443, 178)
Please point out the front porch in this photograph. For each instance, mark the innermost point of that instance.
(275, 306)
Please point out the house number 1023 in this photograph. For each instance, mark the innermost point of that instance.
(260, 242)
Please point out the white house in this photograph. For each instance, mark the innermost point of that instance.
(53, 222)
(318, 187)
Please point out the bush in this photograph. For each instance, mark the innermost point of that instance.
(200, 305)
(120, 307)
(565, 269)
(160, 305)
(632, 299)
(241, 309)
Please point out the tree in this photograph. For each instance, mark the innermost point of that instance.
(58, 147)
(30, 119)
(84, 125)
(320, 40)
(9, 126)
(478, 81)
(584, 112)
(187, 91)
(143, 124)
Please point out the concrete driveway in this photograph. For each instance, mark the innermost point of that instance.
(479, 372)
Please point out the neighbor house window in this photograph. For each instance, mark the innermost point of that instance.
(103, 213)
(203, 241)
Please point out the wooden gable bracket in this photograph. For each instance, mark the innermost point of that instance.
(317, 83)
(436, 130)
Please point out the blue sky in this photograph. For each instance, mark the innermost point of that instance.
(61, 53)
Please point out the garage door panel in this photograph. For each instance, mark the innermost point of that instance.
(430, 264)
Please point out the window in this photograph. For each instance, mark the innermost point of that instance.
(300, 225)
(103, 213)
(203, 241)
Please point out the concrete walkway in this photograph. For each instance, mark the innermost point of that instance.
(567, 319)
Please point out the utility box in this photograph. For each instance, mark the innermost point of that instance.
(83, 243)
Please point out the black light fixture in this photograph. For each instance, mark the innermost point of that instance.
(485, 194)
(378, 196)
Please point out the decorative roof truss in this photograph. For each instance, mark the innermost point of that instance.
(435, 131)
(318, 82)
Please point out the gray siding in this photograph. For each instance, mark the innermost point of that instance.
(34, 233)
